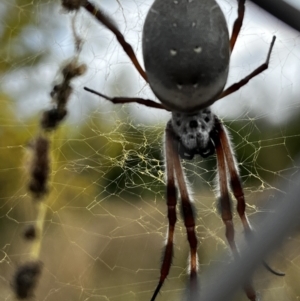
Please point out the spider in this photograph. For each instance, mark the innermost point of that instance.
(186, 50)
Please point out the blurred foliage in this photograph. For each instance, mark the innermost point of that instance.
(16, 17)
(13, 135)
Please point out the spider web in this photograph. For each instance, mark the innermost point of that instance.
(105, 224)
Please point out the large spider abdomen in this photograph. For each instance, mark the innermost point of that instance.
(186, 52)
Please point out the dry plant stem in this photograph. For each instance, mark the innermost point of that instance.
(109, 24)
(39, 225)
(27, 274)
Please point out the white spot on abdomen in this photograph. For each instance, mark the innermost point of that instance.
(198, 49)
(173, 52)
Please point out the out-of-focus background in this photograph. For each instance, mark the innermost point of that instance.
(106, 214)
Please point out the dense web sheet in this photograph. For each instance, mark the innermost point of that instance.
(105, 213)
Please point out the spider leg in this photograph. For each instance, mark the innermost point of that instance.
(226, 210)
(236, 186)
(235, 182)
(226, 213)
(238, 23)
(188, 215)
(245, 80)
(171, 203)
(122, 100)
(110, 24)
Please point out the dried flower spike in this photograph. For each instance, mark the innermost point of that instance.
(39, 169)
(73, 69)
(52, 118)
(26, 278)
(30, 232)
(71, 5)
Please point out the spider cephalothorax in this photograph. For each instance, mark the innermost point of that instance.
(194, 133)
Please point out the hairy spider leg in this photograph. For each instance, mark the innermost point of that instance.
(236, 185)
(188, 216)
(122, 100)
(237, 23)
(171, 203)
(226, 213)
(236, 86)
(231, 89)
(111, 25)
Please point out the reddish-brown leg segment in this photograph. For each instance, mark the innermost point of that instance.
(237, 23)
(226, 211)
(171, 203)
(235, 182)
(122, 100)
(110, 24)
(189, 222)
(244, 81)
(236, 186)
(173, 164)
